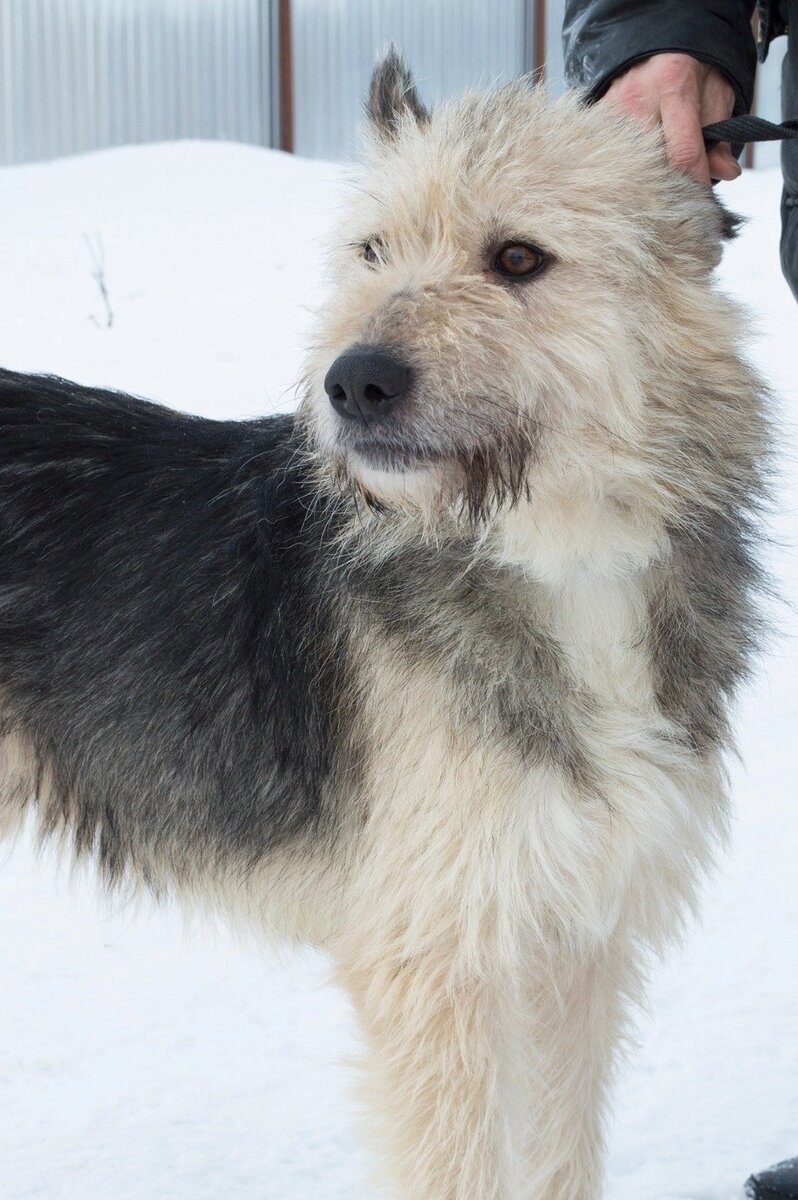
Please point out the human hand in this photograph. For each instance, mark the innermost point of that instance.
(682, 94)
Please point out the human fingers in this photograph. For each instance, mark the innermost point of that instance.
(684, 141)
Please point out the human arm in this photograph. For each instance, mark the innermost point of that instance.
(685, 63)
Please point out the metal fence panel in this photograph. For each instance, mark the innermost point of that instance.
(81, 74)
(450, 44)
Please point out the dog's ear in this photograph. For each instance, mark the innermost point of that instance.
(730, 223)
(392, 97)
(695, 225)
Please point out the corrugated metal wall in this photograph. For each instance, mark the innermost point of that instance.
(448, 43)
(81, 74)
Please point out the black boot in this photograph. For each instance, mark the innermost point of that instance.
(776, 1183)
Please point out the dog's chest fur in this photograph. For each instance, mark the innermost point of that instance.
(518, 731)
(528, 659)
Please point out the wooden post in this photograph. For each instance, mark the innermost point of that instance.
(539, 39)
(286, 68)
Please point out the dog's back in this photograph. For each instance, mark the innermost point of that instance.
(169, 665)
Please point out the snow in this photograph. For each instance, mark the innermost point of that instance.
(143, 1058)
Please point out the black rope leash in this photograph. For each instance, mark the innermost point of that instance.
(739, 130)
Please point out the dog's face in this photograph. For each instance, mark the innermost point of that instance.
(504, 277)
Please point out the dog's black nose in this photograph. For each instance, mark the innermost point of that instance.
(365, 385)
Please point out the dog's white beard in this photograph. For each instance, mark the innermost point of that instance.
(418, 488)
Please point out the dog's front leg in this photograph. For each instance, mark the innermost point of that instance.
(575, 1013)
(433, 1075)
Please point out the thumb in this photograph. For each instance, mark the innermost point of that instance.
(722, 163)
(684, 140)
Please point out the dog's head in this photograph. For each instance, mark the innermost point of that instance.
(511, 275)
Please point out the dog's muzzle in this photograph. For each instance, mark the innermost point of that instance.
(366, 384)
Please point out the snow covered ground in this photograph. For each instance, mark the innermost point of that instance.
(140, 1060)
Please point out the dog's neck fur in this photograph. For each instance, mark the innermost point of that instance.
(573, 537)
(572, 571)
(589, 560)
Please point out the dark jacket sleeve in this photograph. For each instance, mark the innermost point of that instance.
(603, 37)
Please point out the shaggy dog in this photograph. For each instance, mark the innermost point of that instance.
(436, 675)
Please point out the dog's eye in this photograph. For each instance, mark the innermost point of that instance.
(517, 260)
(372, 251)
